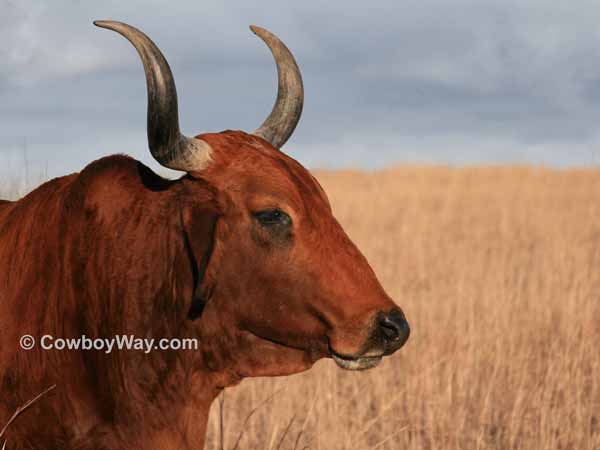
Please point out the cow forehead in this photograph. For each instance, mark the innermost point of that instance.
(250, 165)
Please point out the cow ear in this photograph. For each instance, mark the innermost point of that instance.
(199, 220)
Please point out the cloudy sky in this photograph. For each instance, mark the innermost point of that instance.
(387, 82)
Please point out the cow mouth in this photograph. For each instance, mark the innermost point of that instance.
(355, 362)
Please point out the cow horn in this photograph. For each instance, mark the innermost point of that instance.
(167, 145)
(284, 117)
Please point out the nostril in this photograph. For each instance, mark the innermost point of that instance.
(390, 329)
(394, 327)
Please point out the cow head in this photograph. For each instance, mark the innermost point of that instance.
(281, 279)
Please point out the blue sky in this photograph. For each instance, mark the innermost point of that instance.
(387, 82)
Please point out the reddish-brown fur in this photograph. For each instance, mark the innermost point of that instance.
(117, 250)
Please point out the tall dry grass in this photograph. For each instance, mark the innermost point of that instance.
(498, 270)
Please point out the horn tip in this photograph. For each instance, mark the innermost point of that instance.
(103, 23)
(257, 30)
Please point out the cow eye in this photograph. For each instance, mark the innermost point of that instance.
(272, 217)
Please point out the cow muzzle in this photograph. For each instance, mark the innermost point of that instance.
(390, 332)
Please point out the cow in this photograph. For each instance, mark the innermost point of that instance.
(242, 253)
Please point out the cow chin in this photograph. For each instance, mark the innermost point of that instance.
(358, 363)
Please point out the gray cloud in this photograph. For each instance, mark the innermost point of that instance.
(387, 82)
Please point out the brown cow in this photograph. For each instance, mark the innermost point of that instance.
(242, 253)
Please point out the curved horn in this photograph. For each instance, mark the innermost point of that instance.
(167, 145)
(286, 112)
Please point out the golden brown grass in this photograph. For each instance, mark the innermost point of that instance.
(498, 270)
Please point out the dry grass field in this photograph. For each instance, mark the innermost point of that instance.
(498, 271)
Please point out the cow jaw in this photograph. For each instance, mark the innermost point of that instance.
(268, 357)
